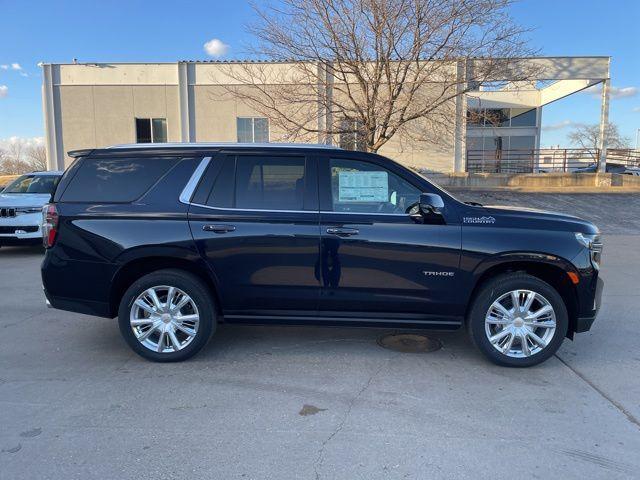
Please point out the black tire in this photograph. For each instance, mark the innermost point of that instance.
(494, 289)
(194, 288)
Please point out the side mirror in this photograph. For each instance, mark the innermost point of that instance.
(431, 203)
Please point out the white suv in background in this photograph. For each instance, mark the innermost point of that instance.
(21, 205)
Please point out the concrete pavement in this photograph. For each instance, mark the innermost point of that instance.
(75, 402)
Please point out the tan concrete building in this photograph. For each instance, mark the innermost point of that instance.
(99, 104)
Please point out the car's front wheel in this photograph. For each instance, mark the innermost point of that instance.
(167, 316)
(517, 320)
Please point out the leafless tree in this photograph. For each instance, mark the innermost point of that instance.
(37, 157)
(11, 162)
(373, 69)
(10, 166)
(586, 136)
(21, 156)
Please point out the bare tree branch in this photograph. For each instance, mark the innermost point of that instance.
(374, 68)
(587, 136)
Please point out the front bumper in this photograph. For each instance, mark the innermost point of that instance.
(584, 322)
(21, 229)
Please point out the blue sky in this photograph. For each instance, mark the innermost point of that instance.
(136, 30)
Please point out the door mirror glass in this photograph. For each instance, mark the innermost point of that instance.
(431, 203)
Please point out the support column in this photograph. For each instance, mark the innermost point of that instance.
(604, 122)
(328, 114)
(460, 140)
(322, 92)
(187, 123)
(53, 137)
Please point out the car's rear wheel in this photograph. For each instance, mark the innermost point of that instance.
(518, 320)
(167, 316)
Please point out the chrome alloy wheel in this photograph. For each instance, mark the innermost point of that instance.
(164, 319)
(520, 323)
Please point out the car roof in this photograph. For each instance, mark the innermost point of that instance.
(47, 172)
(162, 148)
(222, 145)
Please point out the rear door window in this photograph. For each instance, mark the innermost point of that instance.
(116, 180)
(269, 182)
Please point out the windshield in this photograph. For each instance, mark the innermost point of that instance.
(439, 187)
(33, 184)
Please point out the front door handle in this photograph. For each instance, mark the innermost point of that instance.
(217, 228)
(342, 232)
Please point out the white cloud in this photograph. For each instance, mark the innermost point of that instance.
(216, 48)
(636, 109)
(614, 92)
(24, 74)
(16, 66)
(558, 126)
(4, 91)
(26, 142)
(4, 67)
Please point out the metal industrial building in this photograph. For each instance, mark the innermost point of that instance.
(98, 104)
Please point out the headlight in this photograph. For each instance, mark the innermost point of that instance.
(28, 210)
(594, 244)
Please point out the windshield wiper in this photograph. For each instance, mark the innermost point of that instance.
(474, 204)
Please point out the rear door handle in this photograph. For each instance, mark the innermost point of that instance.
(217, 228)
(342, 232)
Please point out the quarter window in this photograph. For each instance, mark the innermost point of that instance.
(116, 179)
(270, 183)
(253, 129)
(151, 130)
(363, 187)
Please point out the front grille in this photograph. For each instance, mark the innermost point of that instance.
(12, 229)
(7, 212)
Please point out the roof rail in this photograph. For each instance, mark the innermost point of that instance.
(223, 145)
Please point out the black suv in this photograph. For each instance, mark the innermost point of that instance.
(176, 238)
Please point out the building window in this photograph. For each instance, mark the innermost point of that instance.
(475, 117)
(252, 129)
(522, 143)
(151, 130)
(501, 117)
(523, 117)
(351, 136)
(496, 117)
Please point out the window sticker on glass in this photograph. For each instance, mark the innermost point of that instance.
(358, 187)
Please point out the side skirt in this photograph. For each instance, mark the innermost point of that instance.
(347, 319)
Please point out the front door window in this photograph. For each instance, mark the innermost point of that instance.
(363, 187)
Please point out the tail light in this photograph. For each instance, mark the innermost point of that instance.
(49, 225)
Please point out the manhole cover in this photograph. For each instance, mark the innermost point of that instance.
(409, 343)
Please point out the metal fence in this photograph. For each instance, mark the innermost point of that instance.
(545, 160)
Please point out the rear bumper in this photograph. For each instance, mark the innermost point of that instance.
(77, 286)
(584, 322)
(78, 305)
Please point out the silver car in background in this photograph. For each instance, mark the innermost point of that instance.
(21, 205)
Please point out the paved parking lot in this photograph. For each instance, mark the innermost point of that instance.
(328, 403)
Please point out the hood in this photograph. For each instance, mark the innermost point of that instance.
(24, 199)
(523, 217)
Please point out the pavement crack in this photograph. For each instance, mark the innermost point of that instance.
(320, 458)
(630, 417)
